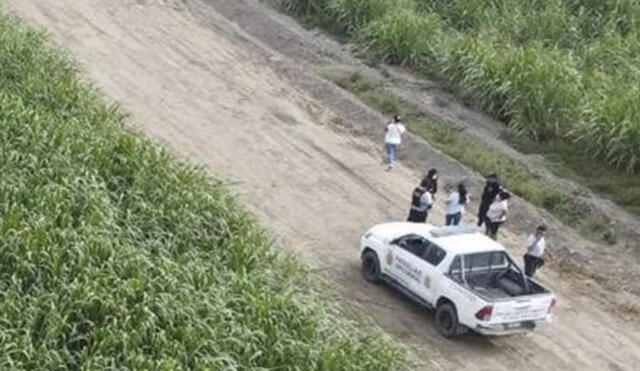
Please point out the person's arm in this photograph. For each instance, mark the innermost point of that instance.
(547, 250)
(505, 210)
(427, 199)
(486, 195)
(503, 214)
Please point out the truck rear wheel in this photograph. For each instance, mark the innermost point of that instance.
(371, 267)
(446, 321)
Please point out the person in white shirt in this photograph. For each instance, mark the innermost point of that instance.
(392, 140)
(497, 214)
(421, 202)
(536, 251)
(455, 204)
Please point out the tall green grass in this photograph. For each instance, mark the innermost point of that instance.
(352, 15)
(551, 68)
(113, 255)
(401, 37)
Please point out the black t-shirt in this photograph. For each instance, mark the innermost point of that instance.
(490, 192)
(431, 185)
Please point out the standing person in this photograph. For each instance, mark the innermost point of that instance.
(497, 214)
(431, 181)
(536, 249)
(421, 201)
(489, 193)
(455, 204)
(392, 140)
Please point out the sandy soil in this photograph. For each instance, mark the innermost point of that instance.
(198, 82)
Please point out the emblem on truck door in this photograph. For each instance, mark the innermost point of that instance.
(389, 258)
(427, 281)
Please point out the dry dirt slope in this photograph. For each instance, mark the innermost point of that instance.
(210, 94)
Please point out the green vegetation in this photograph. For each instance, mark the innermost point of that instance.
(622, 188)
(553, 69)
(115, 256)
(454, 142)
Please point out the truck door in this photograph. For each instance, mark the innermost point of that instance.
(432, 255)
(404, 260)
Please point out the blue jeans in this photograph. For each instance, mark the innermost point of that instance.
(453, 219)
(390, 151)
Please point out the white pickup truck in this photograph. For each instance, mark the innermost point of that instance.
(467, 277)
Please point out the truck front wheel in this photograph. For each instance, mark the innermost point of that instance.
(371, 267)
(446, 321)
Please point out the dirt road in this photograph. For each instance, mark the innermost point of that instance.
(212, 93)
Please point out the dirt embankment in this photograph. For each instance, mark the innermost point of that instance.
(196, 76)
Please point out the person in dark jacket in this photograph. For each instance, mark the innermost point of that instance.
(431, 182)
(421, 202)
(491, 189)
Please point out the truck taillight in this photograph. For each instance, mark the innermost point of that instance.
(552, 305)
(484, 314)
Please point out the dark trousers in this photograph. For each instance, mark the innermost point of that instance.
(452, 219)
(531, 264)
(417, 216)
(482, 213)
(492, 228)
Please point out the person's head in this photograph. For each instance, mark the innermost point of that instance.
(397, 118)
(540, 231)
(462, 188)
(432, 174)
(492, 178)
(504, 195)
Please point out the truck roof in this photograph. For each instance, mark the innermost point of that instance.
(467, 243)
(455, 240)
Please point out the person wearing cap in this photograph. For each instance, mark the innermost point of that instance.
(536, 251)
(392, 140)
(489, 193)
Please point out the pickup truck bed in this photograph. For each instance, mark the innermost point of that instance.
(503, 284)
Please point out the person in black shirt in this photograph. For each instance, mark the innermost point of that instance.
(431, 182)
(491, 190)
(421, 202)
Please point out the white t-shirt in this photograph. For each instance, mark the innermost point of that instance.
(536, 248)
(496, 211)
(425, 200)
(394, 133)
(453, 203)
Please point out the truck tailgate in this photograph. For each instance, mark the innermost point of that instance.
(525, 308)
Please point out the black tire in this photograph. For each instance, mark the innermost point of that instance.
(446, 321)
(371, 267)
